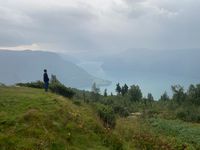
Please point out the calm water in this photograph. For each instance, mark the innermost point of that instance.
(156, 86)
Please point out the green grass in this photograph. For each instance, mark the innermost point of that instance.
(184, 133)
(33, 119)
(158, 134)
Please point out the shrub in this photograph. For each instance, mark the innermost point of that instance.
(37, 84)
(122, 111)
(61, 89)
(56, 87)
(151, 113)
(190, 115)
(107, 115)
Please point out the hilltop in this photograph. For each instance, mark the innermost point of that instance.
(32, 119)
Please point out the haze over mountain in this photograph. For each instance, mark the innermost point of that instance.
(183, 63)
(155, 70)
(27, 66)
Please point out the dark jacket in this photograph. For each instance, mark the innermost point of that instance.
(45, 77)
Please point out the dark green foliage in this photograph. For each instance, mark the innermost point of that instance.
(150, 97)
(107, 115)
(124, 90)
(118, 88)
(164, 97)
(122, 111)
(190, 114)
(178, 94)
(61, 90)
(135, 93)
(55, 87)
(37, 84)
(193, 94)
(108, 101)
(105, 93)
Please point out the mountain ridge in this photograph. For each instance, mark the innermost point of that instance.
(27, 66)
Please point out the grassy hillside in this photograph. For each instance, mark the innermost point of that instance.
(158, 134)
(33, 119)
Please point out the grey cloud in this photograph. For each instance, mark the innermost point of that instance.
(64, 26)
(142, 23)
(69, 28)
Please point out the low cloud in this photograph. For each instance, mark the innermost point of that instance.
(106, 25)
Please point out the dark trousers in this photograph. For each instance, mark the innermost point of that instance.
(46, 86)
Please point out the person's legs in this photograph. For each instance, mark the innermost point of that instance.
(46, 85)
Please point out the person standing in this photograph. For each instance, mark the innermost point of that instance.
(46, 80)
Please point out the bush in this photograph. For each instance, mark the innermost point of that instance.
(107, 115)
(61, 89)
(37, 84)
(57, 88)
(189, 114)
(123, 112)
(151, 113)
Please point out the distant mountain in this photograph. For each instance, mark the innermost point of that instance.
(182, 63)
(26, 66)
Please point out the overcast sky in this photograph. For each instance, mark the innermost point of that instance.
(93, 25)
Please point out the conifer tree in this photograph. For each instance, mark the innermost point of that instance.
(105, 93)
(118, 89)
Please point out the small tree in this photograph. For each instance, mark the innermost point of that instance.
(164, 97)
(107, 115)
(178, 94)
(105, 93)
(150, 98)
(124, 90)
(135, 93)
(193, 94)
(118, 89)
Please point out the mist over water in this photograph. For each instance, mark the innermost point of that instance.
(156, 86)
(156, 81)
